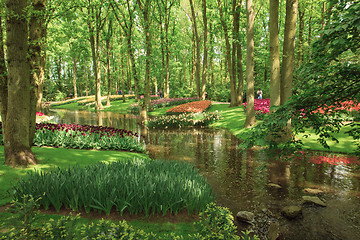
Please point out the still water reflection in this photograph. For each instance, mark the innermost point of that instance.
(241, 179)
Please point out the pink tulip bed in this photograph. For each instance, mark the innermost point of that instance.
(262, 106)
(85, 137)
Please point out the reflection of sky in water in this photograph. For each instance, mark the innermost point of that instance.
(240, 179)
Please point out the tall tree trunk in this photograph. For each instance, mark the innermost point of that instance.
(144, 105)
(74, 77)
(18, 118)
(197, 41)
(300, 44)
(36, 30)
(250, 109)
(205, 56)
(274, 54)
(95, 25)
(237, 54)
(287, 67)
(229, 64)
(108, 70)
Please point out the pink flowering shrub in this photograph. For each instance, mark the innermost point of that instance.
(192, 107)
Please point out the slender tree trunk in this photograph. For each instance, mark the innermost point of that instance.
(197, 41)
(74, 77)
(228, 58)
(274, 54)
(287, 68)
(237, 54)
(18, 118)
(205, 56)
(300, 45)
(108, 67)
(250, 109)
(36, 30)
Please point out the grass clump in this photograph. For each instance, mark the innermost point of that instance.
(136, 186)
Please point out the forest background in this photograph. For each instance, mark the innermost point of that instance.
(183, 48)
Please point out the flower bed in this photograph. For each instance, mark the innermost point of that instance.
(262, 106)
(184, 120)
(193, 107)
(84, 137)
(163, 102)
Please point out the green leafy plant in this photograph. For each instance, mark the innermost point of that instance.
(135, 185)
(217, 223)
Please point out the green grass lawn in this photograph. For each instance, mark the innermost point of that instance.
(119, 106)
(60, 157)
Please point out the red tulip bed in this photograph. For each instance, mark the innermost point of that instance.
(192, 107)
(163, 102)
(345, 105)
(84, 137)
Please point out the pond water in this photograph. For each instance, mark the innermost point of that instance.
(241, 179)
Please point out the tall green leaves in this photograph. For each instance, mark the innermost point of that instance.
(135, 186)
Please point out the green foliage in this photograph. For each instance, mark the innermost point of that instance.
(136, 185)
(330, 78)
(184, 120)
(217, 223)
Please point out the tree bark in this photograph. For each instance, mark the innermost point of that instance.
(250, 109)
(18, 118)
(274, 54)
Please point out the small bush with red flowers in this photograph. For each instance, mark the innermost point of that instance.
(192, 107)
(85, 137)
(163, 102)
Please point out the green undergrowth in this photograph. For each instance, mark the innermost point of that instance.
(23, 220)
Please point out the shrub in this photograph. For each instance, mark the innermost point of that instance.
(136, 185)
(193, 107)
